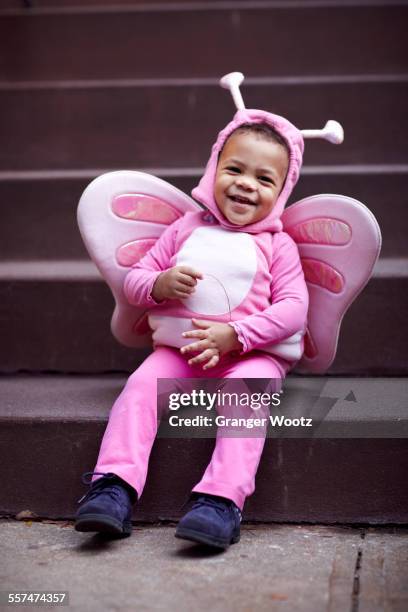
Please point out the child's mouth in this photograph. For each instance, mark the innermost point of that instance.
(241, 200)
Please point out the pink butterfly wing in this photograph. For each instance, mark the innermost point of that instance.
(120, 216)
(339, 241)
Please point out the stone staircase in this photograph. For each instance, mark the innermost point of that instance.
(89, 87)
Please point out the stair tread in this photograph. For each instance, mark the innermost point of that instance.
(85, 270)
(91, 173)
(90, 398)
(118, 83)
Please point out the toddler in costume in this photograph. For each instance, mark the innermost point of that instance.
(234, 248)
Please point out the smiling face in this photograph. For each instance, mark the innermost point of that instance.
(250, 175)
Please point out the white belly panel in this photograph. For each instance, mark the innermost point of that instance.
(228, 262)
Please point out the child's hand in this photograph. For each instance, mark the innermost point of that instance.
(175, 284)
(215, 340)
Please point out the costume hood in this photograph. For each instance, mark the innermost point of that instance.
(204, 192)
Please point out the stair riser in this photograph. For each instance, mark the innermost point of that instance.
(324, 488)
(65, 326)
(39, 216)
(151, 44)
(176, 126)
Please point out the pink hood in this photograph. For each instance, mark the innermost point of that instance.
(204, 192)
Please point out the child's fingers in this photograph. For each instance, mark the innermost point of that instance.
(190, 272)
(181, 294)
(194, 346)
(186, 286)
(213, 362)
(189, 281)
(181, 288)
(195, 333)
(204, 356)
(202, 324)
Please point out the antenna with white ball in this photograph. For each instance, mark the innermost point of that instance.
(232, 81)
(332, 131)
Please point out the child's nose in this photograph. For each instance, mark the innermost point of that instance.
(245, 182)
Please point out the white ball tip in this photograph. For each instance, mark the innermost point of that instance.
(231, 79)
(334, 132)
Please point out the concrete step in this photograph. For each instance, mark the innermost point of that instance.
(51, 428)
(56, 316)
(83, 42)
(360, 567)
(116, 125)
(39, 208)
(348, 566)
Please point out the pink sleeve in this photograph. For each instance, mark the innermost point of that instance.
(289, 296)
(139, 281)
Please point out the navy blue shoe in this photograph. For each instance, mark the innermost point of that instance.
(107, 507)
(212, 520)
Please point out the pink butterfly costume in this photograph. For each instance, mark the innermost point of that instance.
(253, 280)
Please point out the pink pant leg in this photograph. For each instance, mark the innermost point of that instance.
(235, 460)
(132, 426)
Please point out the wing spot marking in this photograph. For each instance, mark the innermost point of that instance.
(322, 274)
(143, 207)
(321, 231)
(130, 253)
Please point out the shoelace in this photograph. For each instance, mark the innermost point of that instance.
(219, 506)
(112, 490)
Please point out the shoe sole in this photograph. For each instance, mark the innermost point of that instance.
(204, 538)
(103, 524)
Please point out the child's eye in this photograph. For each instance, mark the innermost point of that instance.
(233, 169)
(265, 179)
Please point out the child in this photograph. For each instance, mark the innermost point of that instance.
(233, 266)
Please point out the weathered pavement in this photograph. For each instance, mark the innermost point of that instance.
(274, 567)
